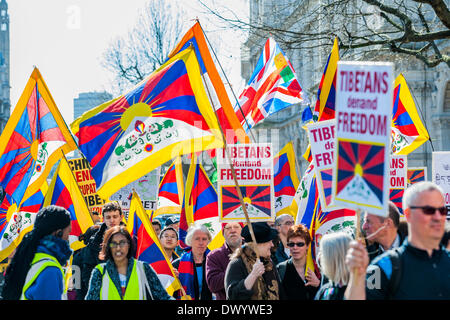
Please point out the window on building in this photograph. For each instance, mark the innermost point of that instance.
(447, 98)
(3, 13)
(3, 27)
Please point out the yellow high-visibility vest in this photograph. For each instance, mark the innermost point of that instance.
(39, 263)
(135, 289)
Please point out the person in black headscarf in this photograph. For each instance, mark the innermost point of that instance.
(35, 272)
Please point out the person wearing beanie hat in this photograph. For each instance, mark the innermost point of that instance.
(251, 278)
(35, 272)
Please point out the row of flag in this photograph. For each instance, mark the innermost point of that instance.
(181, 108)
(407, 134)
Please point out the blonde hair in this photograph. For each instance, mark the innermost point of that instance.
(332, 251)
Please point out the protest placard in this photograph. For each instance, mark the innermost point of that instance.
(253, 165)
(363, 128)
(147, 189)
(397, 179)
(441, 172)
(82, 173)
(322, 140)
(416, 174)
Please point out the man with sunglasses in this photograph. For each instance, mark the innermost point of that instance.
(282, 224)
(419, 268)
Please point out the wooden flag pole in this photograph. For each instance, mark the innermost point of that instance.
(233, 172)
(359, 238)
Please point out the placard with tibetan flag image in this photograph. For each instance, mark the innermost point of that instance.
(228, 120)
(171, 190)
(64, 191)
(149, 248)
(32, 141)
(398, 179)
(363, 127)
(416, 174)
(253, 166)
(285, 180)
(408, 131)
(272, 87)
(14, 223)
(322, 141)
(200, 205)
(166, 115)
(326, 94)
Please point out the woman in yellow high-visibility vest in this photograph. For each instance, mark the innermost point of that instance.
(122, 277)
(36, 270)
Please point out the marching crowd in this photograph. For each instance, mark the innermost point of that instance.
(400, 260)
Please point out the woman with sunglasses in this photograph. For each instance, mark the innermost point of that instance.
(298, 284)
(122, 277)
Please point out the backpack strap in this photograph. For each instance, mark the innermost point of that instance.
(394, 281)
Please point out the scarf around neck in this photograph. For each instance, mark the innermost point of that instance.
(186, 272)
(266, 287)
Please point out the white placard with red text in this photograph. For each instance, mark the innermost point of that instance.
(363, 128)
(322, 140)
(253, 165)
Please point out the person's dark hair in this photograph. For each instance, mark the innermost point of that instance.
(167, 229)
(394, 214)
(105, 253)
(111, 206)
(48, 220)
(301, 231)
(156, 222)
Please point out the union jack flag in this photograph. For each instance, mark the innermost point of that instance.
(272, 87)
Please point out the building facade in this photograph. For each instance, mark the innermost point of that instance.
(89, 100)
(430, 87)
(5, 102)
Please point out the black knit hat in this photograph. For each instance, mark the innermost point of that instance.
(263, 232)
(50, 219)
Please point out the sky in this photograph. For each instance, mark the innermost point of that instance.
(65, 40)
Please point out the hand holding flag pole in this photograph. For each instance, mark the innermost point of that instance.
(238, 189)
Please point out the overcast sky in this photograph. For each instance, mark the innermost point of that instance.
(65, 39)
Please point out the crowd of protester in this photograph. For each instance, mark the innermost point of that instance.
(394, 259)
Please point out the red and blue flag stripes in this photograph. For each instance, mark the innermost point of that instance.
(200, 201)
(31, 140)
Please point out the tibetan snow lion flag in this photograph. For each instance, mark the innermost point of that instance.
(32, 141)
(166, 115)
(407, 130)
(285, 181)
(272, 87)
(16, 223)
(211, 79)
(64, 191)
(149, 248)
(170, 193)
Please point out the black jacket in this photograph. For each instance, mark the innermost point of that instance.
(87, 259)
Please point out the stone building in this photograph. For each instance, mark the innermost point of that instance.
(5, 102)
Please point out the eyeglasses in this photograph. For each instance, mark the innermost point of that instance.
(121, 244)
(429, 210)
(293, 244)
(288, 223)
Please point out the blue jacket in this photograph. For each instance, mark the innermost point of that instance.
(48, 285)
